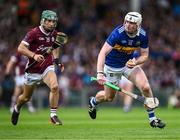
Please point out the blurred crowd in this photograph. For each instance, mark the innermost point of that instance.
(88, 23)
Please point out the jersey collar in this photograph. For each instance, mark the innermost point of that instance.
(42, 30)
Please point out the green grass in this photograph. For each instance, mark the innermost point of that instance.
(111, 124)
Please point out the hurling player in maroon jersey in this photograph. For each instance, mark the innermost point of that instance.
(35, 43)
(17, 63)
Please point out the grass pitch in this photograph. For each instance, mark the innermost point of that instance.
(111, 124)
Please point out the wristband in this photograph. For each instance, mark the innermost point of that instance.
(56, 61)
(101, 72)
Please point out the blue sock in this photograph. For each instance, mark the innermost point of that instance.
(93, 101)
(151, 114)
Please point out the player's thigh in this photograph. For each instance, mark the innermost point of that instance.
(138, 77)
(126, 84)
(50, 79)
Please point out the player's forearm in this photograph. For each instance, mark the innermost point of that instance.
(22, 49)
(141, 59)
(56, 53)
(100, 62)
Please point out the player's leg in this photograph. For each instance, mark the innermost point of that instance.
(26, 96)
(19, 82)
(50, 79)
(138, 77)
(127, 103)
(17, 92)
(30, 106)
(22, 99)
(106, 95)
(127, 100)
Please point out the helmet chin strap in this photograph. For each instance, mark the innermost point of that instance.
(44, 31)
(44, 28)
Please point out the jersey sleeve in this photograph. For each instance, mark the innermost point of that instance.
(136, 54)
(29, 38)
(112, 38)
(144, 43)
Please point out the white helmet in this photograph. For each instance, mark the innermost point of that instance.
(134, 17)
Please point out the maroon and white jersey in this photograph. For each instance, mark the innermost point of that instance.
(20, 63)
(38, 42)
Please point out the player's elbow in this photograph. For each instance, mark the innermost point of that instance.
(108, 99)
(20, 49)
(145, 58)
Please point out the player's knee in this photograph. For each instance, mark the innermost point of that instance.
(108, 99)
(146, 88)
(25, 99)
(54, 88)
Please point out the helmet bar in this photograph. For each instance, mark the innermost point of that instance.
(133, 15)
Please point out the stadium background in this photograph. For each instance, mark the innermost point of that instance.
(87, 23)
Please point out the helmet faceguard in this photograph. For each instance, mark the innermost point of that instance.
(49, 15)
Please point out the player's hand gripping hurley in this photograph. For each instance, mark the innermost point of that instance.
(149, 102)
(61, 39)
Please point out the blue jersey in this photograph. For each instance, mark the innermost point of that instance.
(124, 46)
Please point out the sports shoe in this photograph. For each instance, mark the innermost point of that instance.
(14, 117)
(55, 120)
(92, 109)
(157, 123)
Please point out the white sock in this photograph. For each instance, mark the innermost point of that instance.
(16, 109)
(13, 100)
(53, 112)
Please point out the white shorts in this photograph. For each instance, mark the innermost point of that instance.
(33, 78)
(19, 80)
(124, 81)
(113, 75)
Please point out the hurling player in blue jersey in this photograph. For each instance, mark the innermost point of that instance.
(116, 59)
